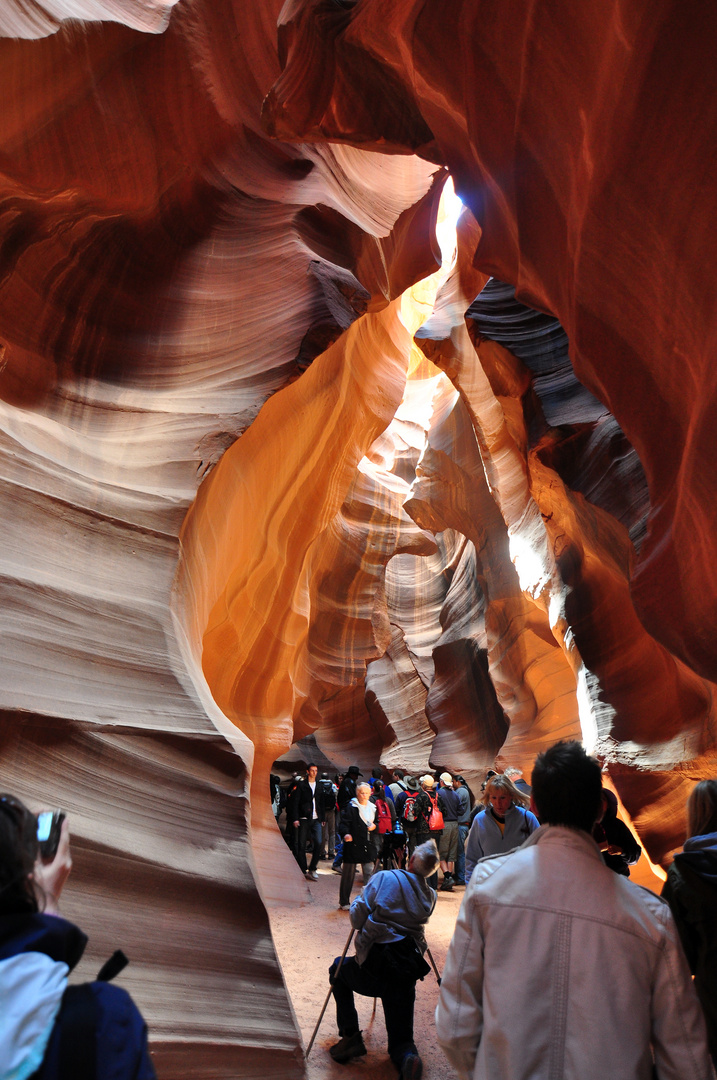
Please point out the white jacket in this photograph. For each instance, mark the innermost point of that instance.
(560, 969)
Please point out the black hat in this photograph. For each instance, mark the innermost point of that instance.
(354, 771)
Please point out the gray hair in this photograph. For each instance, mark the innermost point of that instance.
(424, 859)
(363, 784)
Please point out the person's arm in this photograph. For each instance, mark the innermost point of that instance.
(50, 877)
(620, 838)
(459, 1013)
(474, 849)
(679, 1035)
(344, 826)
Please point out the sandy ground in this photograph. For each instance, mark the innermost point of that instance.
(308, 939)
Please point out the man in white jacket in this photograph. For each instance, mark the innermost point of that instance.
(561, 969)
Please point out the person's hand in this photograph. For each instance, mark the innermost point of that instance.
(348, 838)
(50, 877)
(371, 828)
(296, 824)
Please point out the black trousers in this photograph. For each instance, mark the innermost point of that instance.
(398, 997)
(308, 828)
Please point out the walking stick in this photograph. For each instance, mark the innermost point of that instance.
(338, 966)
(433, 965)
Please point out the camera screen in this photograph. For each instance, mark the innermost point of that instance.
(44, 824)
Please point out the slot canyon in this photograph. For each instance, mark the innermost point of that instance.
(282, 482)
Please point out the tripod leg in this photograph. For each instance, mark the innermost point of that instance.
(321, 1016)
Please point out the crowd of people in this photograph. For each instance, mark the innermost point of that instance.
(559, 966)
(525, 991)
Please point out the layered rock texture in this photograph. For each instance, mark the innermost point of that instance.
(273, 481)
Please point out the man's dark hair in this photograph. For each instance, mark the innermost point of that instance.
(567, 787)
(399, 773)
(377, 773)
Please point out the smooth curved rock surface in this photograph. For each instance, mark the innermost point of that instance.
(271, 487)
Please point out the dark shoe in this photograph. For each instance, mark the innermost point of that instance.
(348, 1048)
(312, 875)
(411, 1067)
(447, 885)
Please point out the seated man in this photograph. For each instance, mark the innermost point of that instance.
(557, 966)
(390, 915)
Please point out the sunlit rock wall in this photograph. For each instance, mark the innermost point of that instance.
(579, 138)
(260, 492)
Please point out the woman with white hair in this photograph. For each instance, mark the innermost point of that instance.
(504, 823)
(358, 822)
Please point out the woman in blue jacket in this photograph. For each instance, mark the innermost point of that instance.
(504, 824)
(50, 1031)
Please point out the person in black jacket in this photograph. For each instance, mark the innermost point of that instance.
(306, 816)
(49, 1030)
(691, 892)
(358, 822)
(347, 787)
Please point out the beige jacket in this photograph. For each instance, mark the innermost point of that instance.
(560, 969)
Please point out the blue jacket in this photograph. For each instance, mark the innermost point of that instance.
(485, 837)
(37, 952)
(393, 904)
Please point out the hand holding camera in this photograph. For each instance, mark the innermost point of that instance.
(54, 863)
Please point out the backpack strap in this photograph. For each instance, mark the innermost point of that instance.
(78, 1018)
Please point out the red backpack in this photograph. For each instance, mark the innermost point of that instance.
(383, 816)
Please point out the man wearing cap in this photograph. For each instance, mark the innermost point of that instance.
(347, 787)
(448, 849)
(464, 824)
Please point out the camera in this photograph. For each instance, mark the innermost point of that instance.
(49, 824)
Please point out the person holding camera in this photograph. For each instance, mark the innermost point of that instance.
(49, 1031)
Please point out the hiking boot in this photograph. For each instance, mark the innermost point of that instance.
(348, 1048)
(447, 885)
(411, 1068)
